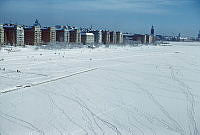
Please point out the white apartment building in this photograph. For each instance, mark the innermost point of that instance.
(87, 38)
(1, 34)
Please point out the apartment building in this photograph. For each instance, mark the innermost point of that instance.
(13, 34)
(105, 37)
(97, 36)
(62, 34)
(119, 37)
(75, 36)
(113, 37)
(1, 34)
(48, 35)
(32, 35)
(87, 38)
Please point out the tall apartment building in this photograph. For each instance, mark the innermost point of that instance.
(20, 35)
(48, 35)
(1, 34)
(14, 34)
(119, 37)
(199, 35)
(75, 36)
(105, 37)
(62, 34)
(97, 36)
(113, 37)
(87, 38)
(32, 35)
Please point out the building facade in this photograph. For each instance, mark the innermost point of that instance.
(113, 37)
(20, 35)
(97, 36)
(66, 35)
(128, 38)
(105, 37)
(75, 36)
(119, 37)
(32, 35)
(149, 39)
(13, 34)
(62, 34)
(87, 38)
(199, 35)
(48, 35)
(140, 38)
(159, 37)
(1, 35)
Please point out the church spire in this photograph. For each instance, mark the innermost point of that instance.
(152, 30)
(36, 23)
(199, 34)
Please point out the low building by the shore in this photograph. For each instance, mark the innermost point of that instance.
(140, 38)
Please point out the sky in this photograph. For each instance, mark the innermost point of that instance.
(169, 17)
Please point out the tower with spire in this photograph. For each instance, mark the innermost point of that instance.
(151, 36)
(179, 37)
(37, 23)
(152, 30)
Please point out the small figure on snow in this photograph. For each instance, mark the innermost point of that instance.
(18, 71)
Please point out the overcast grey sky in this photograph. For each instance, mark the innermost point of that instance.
(136, 16)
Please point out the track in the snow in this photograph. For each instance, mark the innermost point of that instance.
(44, 82)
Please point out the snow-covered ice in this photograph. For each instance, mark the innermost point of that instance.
(144, 90)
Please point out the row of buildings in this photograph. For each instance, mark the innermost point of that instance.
(35, 35)
(177, 38)
(140, 38)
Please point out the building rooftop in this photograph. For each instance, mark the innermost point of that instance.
(28, 27)
(44, 28)
(9, 26)
(59, 28)
(88, 34)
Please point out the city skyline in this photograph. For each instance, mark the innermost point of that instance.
(169, 17)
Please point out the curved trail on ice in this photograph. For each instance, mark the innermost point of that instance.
(45, 82)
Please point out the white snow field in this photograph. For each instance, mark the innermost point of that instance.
(144, 90)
